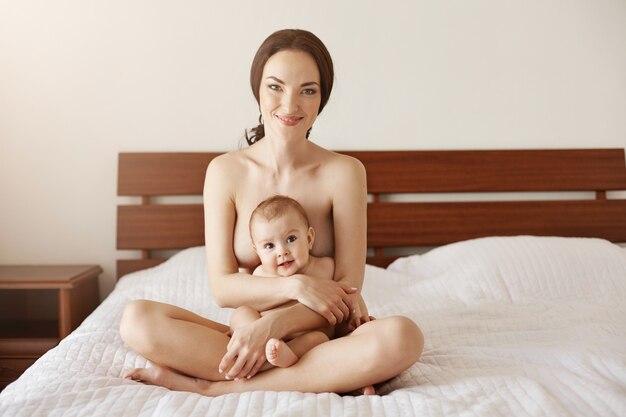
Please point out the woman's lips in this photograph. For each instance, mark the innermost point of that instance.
(289, 120)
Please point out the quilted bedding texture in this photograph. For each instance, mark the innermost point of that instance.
(520, 326)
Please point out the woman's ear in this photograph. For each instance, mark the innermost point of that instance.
(310, 236)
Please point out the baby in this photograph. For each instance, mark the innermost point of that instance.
(282, 238)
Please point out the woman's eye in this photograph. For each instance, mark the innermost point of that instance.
(291, 239)
(274, 87)
(309, 91)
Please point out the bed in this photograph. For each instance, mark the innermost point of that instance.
(520, 297)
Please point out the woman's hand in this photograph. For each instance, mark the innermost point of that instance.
(328, 298)
(245, 353)
(359, 314)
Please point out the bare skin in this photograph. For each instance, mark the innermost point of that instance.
(283, 244)
(316, 371)
(189, 351)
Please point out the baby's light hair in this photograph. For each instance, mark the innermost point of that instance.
(275, 207)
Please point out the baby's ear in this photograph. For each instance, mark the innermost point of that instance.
(310, 236)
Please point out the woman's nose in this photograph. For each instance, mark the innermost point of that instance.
(290, 103)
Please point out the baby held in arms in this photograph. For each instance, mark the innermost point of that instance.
(282, 238)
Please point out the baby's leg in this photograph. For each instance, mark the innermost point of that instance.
(243, 315)
(282, 354)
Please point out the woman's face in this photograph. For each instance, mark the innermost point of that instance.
(289, 94)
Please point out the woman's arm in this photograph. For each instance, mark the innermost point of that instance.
(350, 220)
(350, 223)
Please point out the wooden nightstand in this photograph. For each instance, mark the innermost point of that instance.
(40, 305)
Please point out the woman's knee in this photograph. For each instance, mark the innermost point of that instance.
(400, 338)
(407, 336)
(138, 319)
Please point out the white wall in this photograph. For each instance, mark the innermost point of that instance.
(83, 80)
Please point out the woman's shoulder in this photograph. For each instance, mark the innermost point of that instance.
(339, 161)
(339, 166)
(228, 163)
(227, 158)
(225, 172)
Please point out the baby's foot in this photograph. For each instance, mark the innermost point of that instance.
(278, 353)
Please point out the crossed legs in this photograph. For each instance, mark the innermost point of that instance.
(373, 353)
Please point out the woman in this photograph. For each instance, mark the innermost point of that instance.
(291, 78)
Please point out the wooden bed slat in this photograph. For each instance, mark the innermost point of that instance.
(402, 224)
(126, 266)
(416, 224)
(408, 171)
(150, 174)
(160, 226)
(502, 170)
(381, 261)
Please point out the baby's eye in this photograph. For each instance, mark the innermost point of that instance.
(268, 246)
(291, 239)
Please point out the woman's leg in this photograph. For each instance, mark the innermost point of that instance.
(175, 338)
(373, 353)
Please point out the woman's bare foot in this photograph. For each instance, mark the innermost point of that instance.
(168, 378)
(279, 354)
(368, 390)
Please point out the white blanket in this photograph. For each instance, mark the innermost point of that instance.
(520, 326)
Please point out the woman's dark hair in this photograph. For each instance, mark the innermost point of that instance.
(290, 39)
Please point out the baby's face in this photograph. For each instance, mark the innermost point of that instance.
(283, 244)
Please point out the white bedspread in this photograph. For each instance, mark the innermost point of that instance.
(518, 326)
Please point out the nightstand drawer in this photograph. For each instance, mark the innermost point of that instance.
(12, 368)
(26, 348)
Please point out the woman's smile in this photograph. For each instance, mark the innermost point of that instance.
(289, 120)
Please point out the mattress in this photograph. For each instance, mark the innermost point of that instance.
(523, 326)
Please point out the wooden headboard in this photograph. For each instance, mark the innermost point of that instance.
(392, 224)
